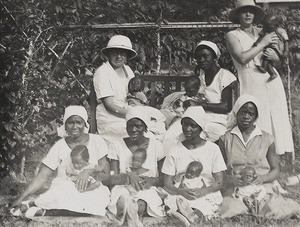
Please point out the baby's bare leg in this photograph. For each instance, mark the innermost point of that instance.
(271, 70)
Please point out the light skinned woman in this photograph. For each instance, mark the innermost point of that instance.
(271, 95)
(192, 147)
(146, 200)
(111, 86)
(246, 144)
(64, 194)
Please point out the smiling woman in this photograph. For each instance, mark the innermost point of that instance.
(63, 193)
(192, 147)
(111, 86)
(135, 194)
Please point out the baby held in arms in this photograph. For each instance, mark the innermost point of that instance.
(136, 96)
(80, 161)
(250, 194)
(193, 179)
(138, 158)
(271, 23)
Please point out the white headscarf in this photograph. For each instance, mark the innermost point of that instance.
(136, 112)
(73, 111)
(232, 117)
(197, 114)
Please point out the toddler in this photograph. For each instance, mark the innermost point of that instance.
(271, 23)
(192, 86)
(80, 161)
(136, 96)
(250, 194)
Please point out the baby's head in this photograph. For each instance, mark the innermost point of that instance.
(193, 170)
(188, 103)
(192, 86)
(271, 22)
(136, 84)
(248, 175)
(138, 158)
(80, 157)
(178, 107)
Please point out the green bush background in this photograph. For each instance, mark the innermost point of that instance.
(44, 63)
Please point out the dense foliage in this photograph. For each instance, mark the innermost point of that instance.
(43, 63)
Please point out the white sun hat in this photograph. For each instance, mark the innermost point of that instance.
(259, 13)
(120, 42)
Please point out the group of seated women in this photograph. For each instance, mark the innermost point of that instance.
(198, 157)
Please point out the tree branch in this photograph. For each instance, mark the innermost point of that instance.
(12, 17)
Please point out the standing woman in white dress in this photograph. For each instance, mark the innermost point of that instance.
(271, 95)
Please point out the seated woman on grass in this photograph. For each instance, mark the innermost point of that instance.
(192, 147)
(64, 195)
(246, 144)
(125, 205)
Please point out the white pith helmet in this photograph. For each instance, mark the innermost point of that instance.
(120, 42)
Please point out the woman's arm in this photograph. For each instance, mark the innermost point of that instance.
(225, 105)
(113, 108)
(243, 57)
(36, 184)
(171, 189)
(274, 172)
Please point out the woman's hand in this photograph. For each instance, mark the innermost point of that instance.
(233, 181)
(187, 193)
(271, 55)
(136, 181)
(82, 180)
(259, 180)
(148, 182)
(198, 192)
(16, 203)
(269, 39)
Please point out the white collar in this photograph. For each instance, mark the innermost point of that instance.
(256, 132)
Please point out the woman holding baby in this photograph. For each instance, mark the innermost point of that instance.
(134, 192)
(273, 110)
(247, 145)
(192, 147)
(65, 194)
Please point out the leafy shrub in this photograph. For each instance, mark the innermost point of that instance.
(43, 65)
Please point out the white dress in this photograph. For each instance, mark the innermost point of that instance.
(273, 111)
(216, 123)
(63, 193)
(107, 83)
(210, 156)
(119, 151)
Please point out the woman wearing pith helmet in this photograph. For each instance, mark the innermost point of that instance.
(111, 86)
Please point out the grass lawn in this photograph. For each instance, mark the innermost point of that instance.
(243, 220)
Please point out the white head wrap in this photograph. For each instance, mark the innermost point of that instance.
(73, 111)
(197, 114)
(211, 45)
(140, 113)
(242, 100)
